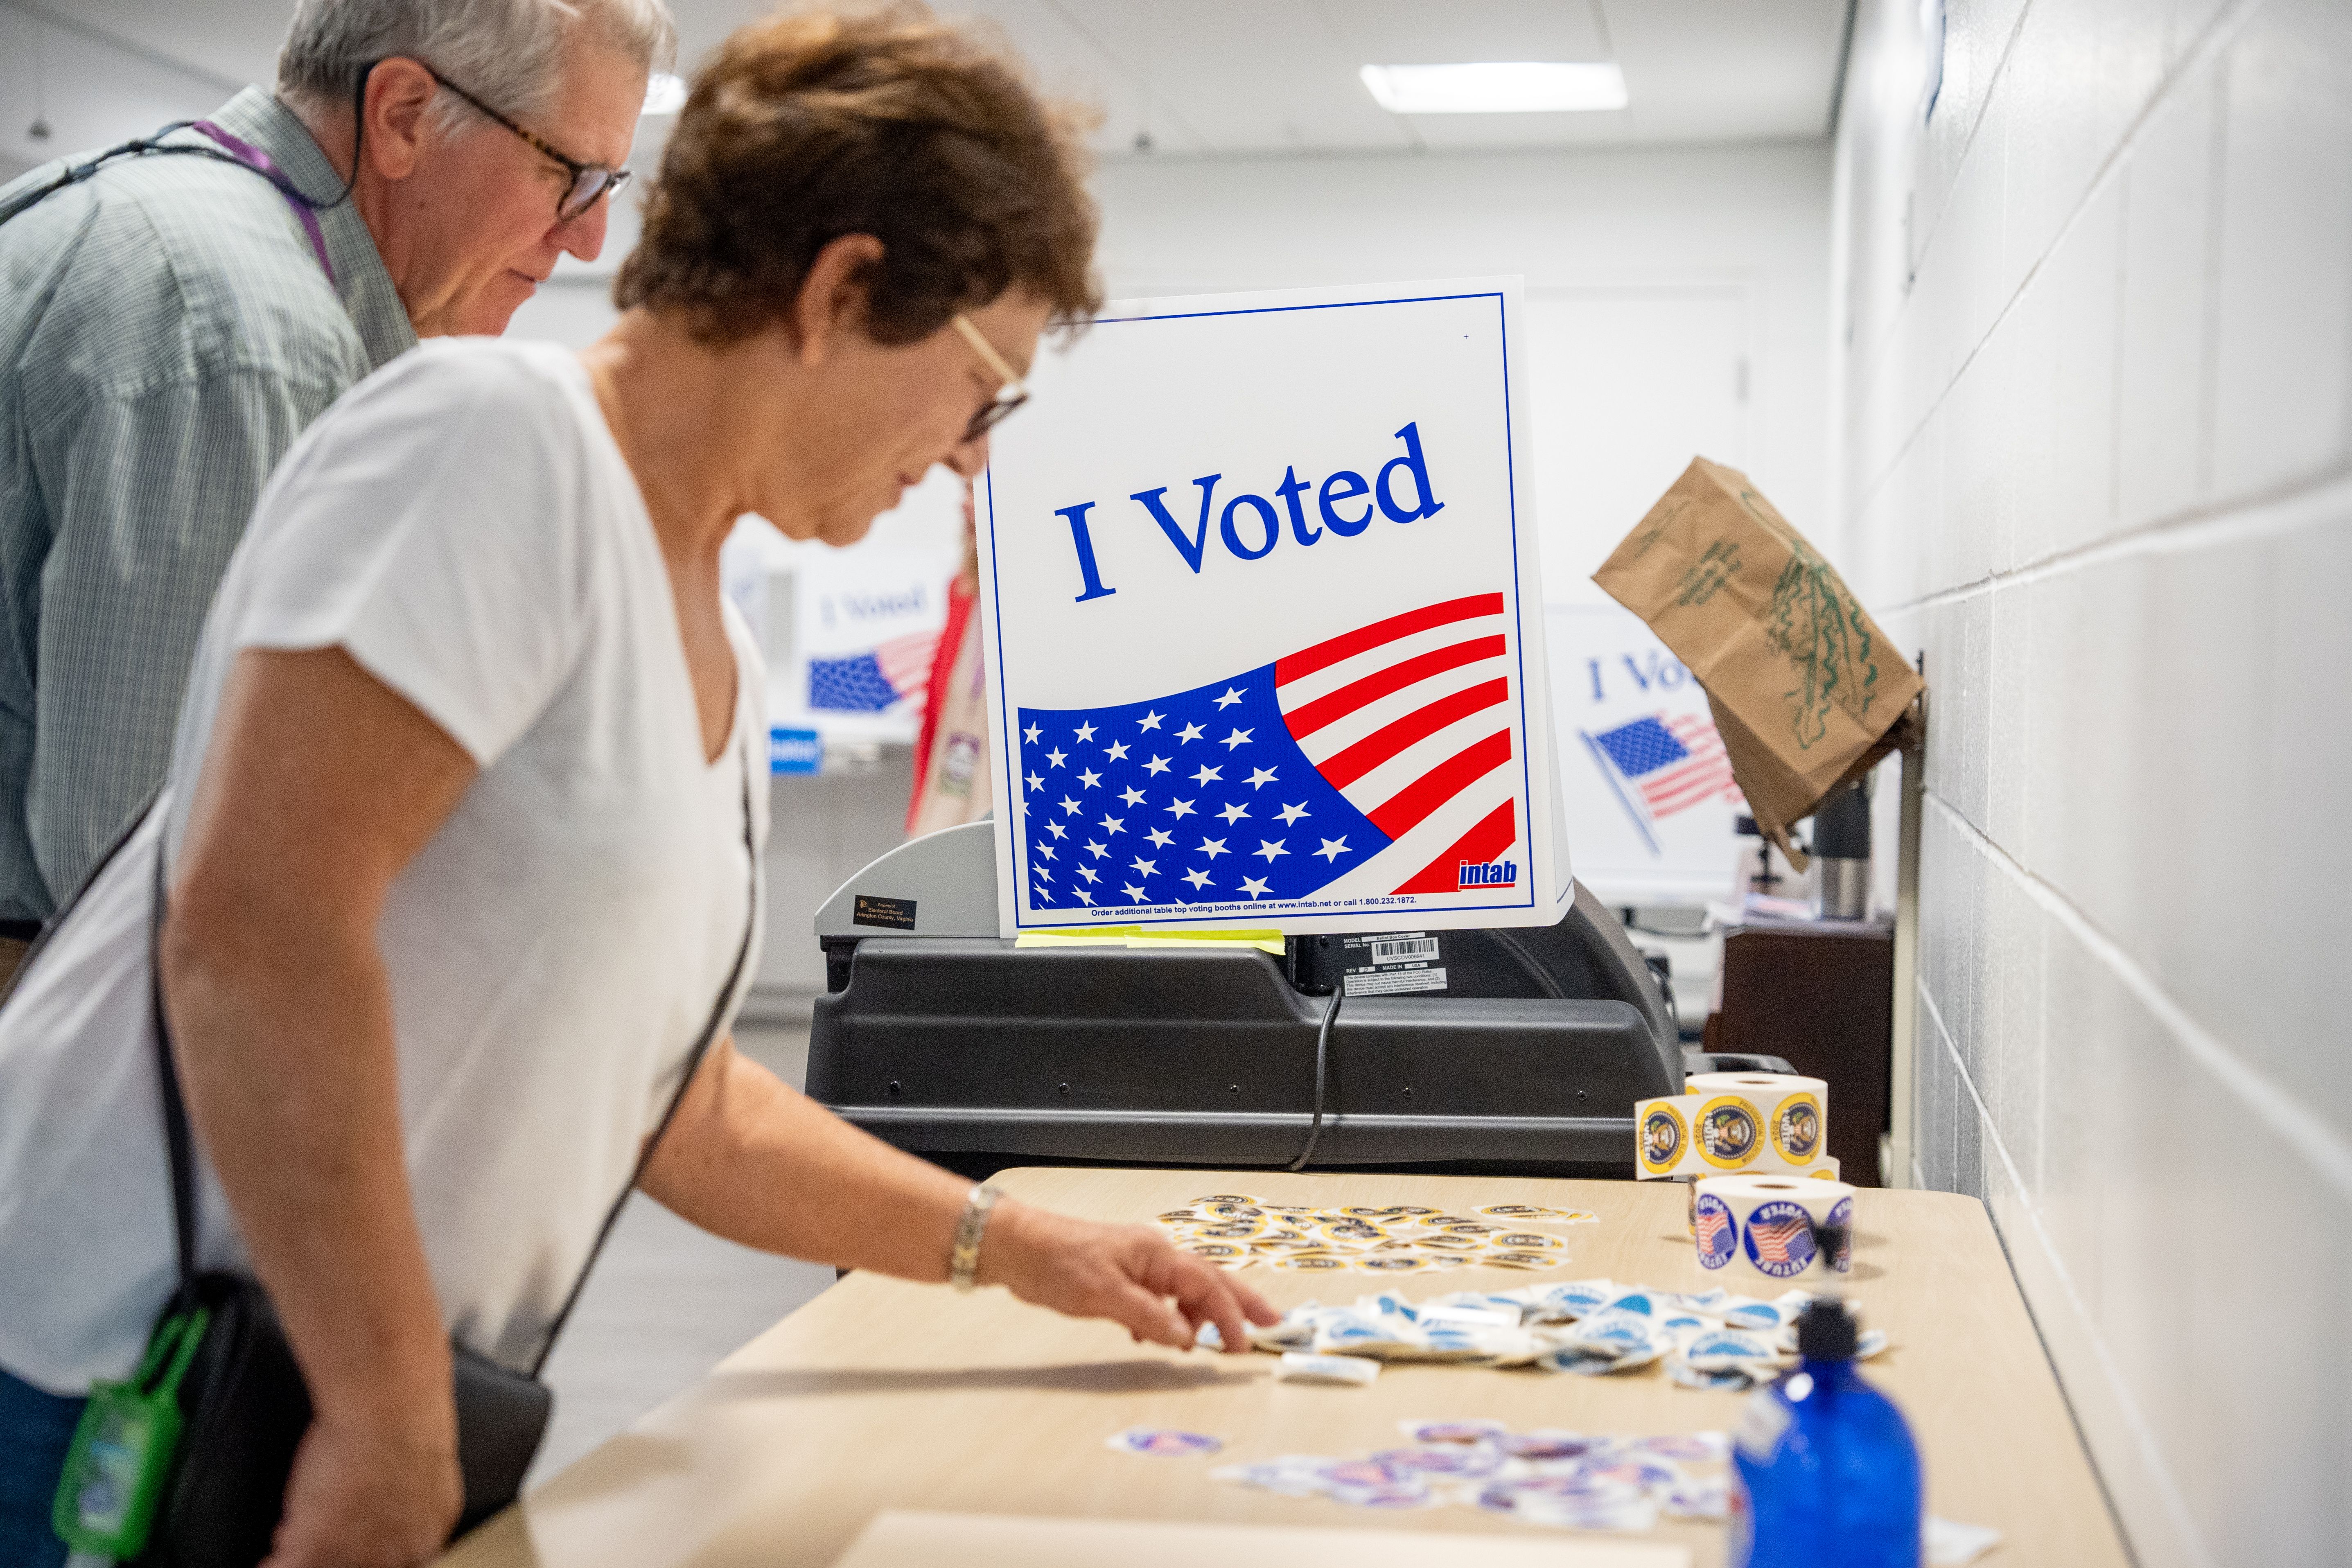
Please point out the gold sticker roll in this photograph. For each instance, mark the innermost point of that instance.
(1730, 1132)
(1662, 1132)
(1792, 1118)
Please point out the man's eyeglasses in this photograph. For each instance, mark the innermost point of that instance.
(1008, 396)
(589, 181)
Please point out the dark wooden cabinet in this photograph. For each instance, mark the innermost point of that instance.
(1823, 996)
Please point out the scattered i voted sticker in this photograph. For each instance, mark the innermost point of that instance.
(1452, 1431)
(1699, 1500)
(1164, 1443)
(1743, 1313)
(1731, 1380)
(1296, 1366)
(1578, 1297)
(1466, 1460)
(1726, 1349)
(1544, 1477)
(1546, 1444)
(1225, 1253)
(1691, 1447)
(1393, 1263)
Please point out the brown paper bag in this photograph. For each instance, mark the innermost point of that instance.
(1806, 692)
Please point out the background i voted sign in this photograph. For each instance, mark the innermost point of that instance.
(1252, 576)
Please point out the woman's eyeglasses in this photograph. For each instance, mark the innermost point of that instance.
(589, 181)
(1008, 396)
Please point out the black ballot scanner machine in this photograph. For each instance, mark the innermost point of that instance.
(1517, 1050)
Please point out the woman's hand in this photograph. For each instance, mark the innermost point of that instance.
(1128, 1273)
(383, 1493)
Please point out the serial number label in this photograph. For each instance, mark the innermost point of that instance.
(1392, 981)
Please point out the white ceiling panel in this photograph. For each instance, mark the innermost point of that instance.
(1225, 77)
(227, 40)
(1256, 76)
(1704, 70)
(1104, 56)
(1415, 32)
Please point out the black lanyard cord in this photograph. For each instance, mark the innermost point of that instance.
(152, 145)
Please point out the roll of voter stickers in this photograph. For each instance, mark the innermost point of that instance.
(1795, 1113)
(1779, 1229)
(1708, 1134)
(1662, 1136)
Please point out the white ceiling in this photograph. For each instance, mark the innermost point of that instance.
(1259, 76)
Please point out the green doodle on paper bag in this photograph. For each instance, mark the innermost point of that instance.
(1815, 623)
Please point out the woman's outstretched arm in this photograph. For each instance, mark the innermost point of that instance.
(756, 1162)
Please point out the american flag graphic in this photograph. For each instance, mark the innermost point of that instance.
(1278, 782)
(1779, 1238)
(872, 682)
(1713, 1226)
(1660, 765)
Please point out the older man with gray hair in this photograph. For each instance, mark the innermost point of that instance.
(173, 311)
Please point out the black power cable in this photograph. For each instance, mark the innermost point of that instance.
(1322, 1057)
(151, 146)
(1527, 962)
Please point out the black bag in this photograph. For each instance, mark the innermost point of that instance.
(243, 1399)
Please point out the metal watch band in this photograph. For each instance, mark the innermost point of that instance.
(963, 1259)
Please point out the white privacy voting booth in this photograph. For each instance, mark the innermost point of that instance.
(1264, 624)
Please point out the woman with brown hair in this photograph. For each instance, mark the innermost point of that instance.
(459, 853)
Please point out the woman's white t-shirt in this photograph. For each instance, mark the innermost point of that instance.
(464, 526)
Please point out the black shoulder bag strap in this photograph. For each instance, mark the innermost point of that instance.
(677, 1096)
(243, 1398)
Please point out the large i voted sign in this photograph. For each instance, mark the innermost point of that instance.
(1252, 569)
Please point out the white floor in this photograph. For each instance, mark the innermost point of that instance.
(667, 1302)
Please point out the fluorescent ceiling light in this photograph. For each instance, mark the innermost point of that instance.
(665, 93)
(1502, 86)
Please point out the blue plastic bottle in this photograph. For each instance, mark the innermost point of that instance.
(1828, 1474)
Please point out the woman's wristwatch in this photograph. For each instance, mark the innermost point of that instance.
(963, 1258)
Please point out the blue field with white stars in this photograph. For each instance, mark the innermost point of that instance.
(1198, 797)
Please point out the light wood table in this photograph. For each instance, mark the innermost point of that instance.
(881, 1394)
(915, 1540)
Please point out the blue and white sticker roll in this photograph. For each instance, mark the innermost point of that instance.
(1774, 1230)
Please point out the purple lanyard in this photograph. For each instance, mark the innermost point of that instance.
(254, 159)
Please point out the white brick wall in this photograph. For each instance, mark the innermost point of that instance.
(2093, 459)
